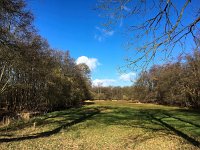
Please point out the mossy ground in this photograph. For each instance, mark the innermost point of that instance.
(107, 125)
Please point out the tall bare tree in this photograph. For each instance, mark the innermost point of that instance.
(153, 26)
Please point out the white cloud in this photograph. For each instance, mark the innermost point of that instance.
(108, 33)
(98, 37)
(103, 82)
(92, 63)
(125, 79)
(125, 8)
(131, 76)
(103, 33)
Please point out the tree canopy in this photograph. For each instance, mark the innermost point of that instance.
(33, 76)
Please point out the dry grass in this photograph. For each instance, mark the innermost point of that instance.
(106, 125)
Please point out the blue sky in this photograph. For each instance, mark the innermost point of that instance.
(76, 26)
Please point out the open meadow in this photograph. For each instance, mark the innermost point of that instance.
(100, 75)
(107, 125)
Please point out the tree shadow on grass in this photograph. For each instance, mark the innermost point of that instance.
(178, 132)
(82, 117)
(71, 114)
(153, 120)
(183, 120)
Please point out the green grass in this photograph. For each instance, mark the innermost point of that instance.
(107, 125)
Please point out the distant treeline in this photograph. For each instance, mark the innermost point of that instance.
(113, 93)
(175, 83)
(32, 75)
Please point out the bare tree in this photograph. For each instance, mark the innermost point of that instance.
(156, 26)
(3, 85)
(32, 75)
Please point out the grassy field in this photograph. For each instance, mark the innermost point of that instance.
(107, 125)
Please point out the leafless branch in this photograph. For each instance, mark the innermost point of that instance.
(164, 29)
